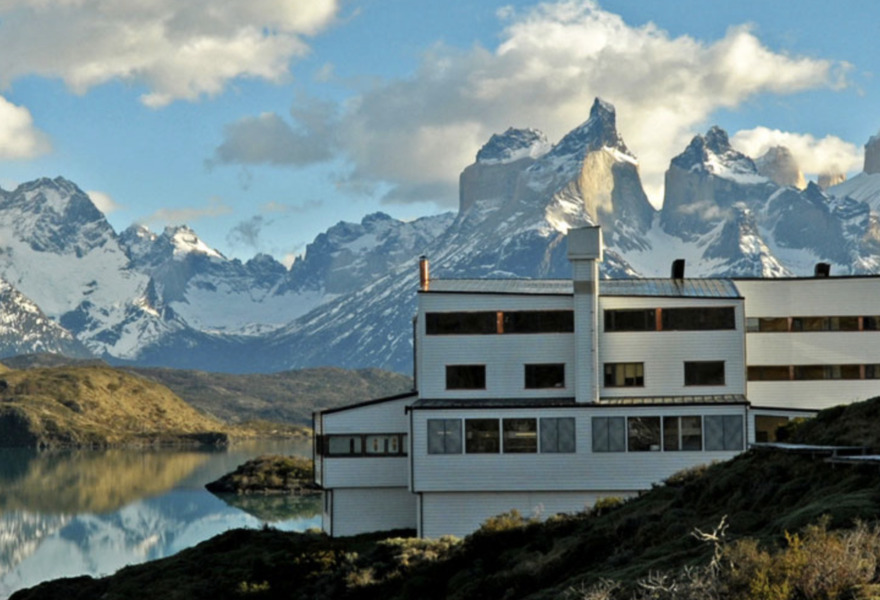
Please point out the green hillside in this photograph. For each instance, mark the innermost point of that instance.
(794, 527)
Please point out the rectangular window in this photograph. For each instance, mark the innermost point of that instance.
(766, 427)
(520, 436)
(704, 372)
(631, 320)
(769, 373)
(482, 436)
(814, 372)
(444, 436)
(752, 324)
(698, 319)
(773, 324)
(461, 323)
(539, 321)
(609, 434)
(872, 371)
(342, 445)
(723, 432)
(825, 324)
(558, 435)
(682, 433)
(465, 377)
(624, 374)
(871, 323)
(643, 434)
(384, 444)
(545, 376)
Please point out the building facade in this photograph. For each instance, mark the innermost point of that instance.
(544, 396)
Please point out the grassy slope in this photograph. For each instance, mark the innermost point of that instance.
(764, 495)
(92, 405)
(287, 397)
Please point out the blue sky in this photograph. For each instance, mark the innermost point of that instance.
(261, 124)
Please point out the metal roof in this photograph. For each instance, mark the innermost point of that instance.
(676, 400)
(661, 287)
(474, 403)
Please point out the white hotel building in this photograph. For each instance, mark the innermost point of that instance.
(545, 395)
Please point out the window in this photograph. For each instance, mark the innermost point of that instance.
(539, 321)
(631, 320)
(697, 319)
(871, 323)
(772, 324)
(385, 444)
(723, 432)
(624, 374)
(872, 371)
(682, 433)
(769, 373)
(545, 376)
(643, 434)
(766, 427)
(558, 435)
(609, 434)
(341, 445)
(520, 436)
(481, 436)
(465, 377)
(705, 372)
(444, 436)
(461, 323)
(825, 324)
(811, 372)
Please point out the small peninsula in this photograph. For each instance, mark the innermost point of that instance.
(268, 474)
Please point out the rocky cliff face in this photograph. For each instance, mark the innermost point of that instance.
(779, 166)
(872, 155)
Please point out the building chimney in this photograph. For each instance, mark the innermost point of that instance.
(822, 269)
(424, 279)
(678, 268)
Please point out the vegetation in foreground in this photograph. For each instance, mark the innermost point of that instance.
(768, 525)
(268, 474)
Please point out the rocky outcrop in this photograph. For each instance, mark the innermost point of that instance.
(779, 166)
(826, 180)
(872, 155)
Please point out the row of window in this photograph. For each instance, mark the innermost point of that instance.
(812, 372)
(790, 324)
(610, 434)
(499, 322)
(493, 436)
(668, 434)
(552, 375)
(671, 319)
(386, 444)
(562, 321)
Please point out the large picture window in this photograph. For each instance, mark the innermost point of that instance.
(444, 436)
(698, 319)
(539, 321)
(465, 377)
(520, 436)
(624, 374)
(724, 432)
(558, 435)
(482, 436)
(461, 323)
(682, 433)
(545, 376)
(643, 434)
(704, 372)
(631, 320)
(609, 434)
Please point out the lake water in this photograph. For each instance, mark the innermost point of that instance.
(64, 514)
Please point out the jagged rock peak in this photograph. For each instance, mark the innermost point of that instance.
(712, 153)
(826, 180)
(597, 132)
(512, 145)
(872, 155)
(780, 166)
(185, 241)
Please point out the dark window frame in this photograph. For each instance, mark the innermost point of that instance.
(512, 439)
(610, 375)
(536, 373)
(482, 436)
(358, 445)
(475, 380)
(699, 373)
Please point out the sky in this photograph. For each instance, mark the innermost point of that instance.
(260, 124)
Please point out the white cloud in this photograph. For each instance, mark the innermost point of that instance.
(178, 50)
(829, 154)
(103, 201)
(552, 60)
(18, 136)
(181, 216)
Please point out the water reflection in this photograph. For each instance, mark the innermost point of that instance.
(91, 513)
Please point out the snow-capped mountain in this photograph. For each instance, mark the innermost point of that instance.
(169, 299)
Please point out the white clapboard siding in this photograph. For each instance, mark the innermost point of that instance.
(812, 395)
(358, 510)
(379, 417)
(821, 296)
(583, 470)
(365, 471)
(814, 348)
(460, 514)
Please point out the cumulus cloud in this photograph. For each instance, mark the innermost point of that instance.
(829, 154)
(177, 50)
(104, 202)
(177, 216)
(19, 138)
(297, 209)
(247, 232)
(269, 139)
(551, 61)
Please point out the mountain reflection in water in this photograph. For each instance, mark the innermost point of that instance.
(64, 514)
